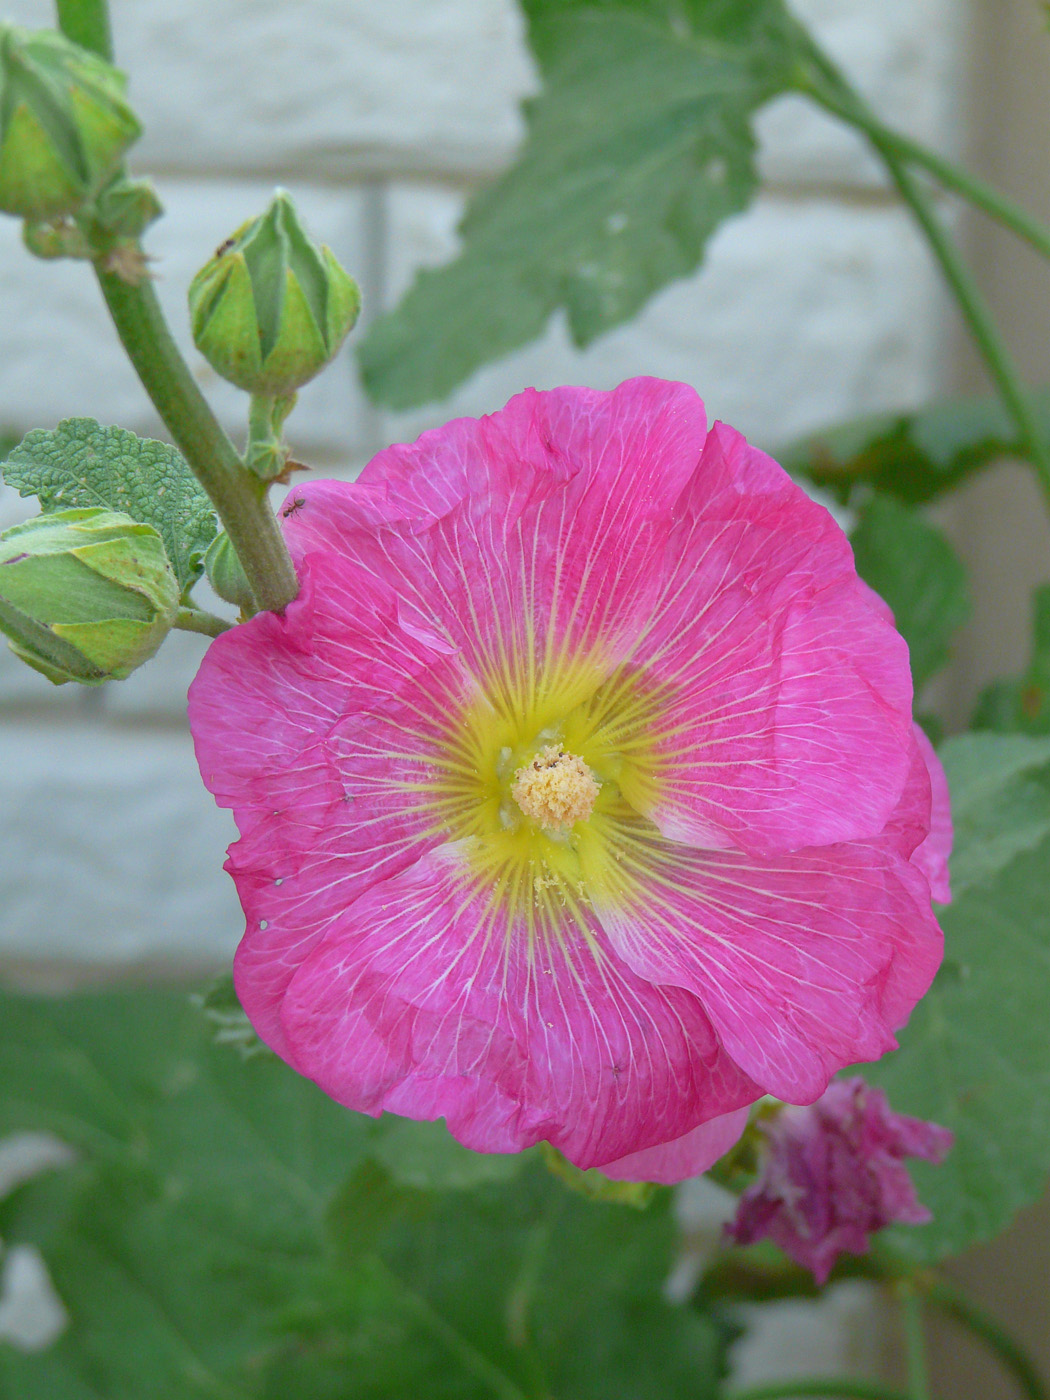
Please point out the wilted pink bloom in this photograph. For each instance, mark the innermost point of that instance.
(578, 791)
(834, 1174)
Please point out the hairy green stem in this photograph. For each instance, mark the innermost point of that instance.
(238, 497)
(197, 620)
(914, 1342)
(977, 316)
(260, 419)
(950, 177)
(831, 90)
(86, 22)
(838, 1387)
(1009, 1351)
(265, 456)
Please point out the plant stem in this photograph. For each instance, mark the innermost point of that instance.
(915, 1342)
(840, 1387)
(843, 102)
(238, 497)
(197, 620)
(950, 177)
(86, 22)
(265, 457)
(977, 316)
(996, 1338)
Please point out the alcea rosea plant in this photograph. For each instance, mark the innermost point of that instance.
(580, 798)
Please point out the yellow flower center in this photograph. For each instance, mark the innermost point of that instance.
(548, 771)
(556, 790)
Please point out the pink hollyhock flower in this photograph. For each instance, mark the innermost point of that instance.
(834, 1174)
(578, 791)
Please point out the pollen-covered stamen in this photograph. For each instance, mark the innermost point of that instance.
(555, 789)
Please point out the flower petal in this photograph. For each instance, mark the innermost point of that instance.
(319, 730)
(432, 998)
(804, 964)
(931, 855)
(832, 1174)
(788, 714)
(686, 1156)
(527, 537)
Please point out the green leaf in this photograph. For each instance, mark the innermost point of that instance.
(1023, 705)
(197, 1214)
(573, 1305)
(639, 146)
(228, 1233)
(427, 1156)
(975, 1055)
(80, 463)
(999, 804)
(912, 566)
(916, 457)
(219, 1004)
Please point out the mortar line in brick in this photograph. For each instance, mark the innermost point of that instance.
(854, 193)
(457, 178)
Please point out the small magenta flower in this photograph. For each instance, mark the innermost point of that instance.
(834, 1174)
(578, 790)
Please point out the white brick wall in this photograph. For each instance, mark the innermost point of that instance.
(109, 852)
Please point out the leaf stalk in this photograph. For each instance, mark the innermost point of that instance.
(830, 89)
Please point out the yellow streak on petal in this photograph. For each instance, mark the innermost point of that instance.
(542, 833)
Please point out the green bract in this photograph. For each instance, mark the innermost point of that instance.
(271, 308)
(226, 573)
(64, 123)
(85, 595)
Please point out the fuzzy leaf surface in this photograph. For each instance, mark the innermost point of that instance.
(80, 463)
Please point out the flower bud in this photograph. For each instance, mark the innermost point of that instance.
(226, 573)
(64, 123)
(271, 308)
(85, 595)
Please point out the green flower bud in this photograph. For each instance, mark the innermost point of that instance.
(85, 595)
(64, 123)
(271, 308)
(226, 573)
